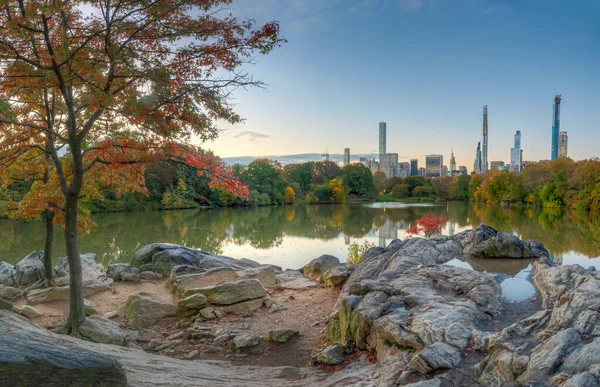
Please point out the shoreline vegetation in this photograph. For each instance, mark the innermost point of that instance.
(561, 183)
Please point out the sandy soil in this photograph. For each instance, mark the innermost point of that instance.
(302, 310)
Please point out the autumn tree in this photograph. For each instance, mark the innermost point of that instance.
(128, 81)
(427, 226)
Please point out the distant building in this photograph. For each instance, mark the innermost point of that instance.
(444, 171)
(364, 160)
(414, 167)
(463, 170)
(422, 171)
(495, 165)
(503, 168)
(455, 173)
(382, 139)
(516, 154)
(374, 166)
(525, 163)
(346, 156)
(452, 161)
(325, 156)
(562, 144)
(388, 164)
(477, 164)
(433, 165)
(404, 170)
(555, 127)
(484, 158)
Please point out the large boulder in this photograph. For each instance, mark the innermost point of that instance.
(145, 308)
(485, 242)
(231, 292)
(318, 266)
(101, 330)
(30, 269)
(335, 276)
(114, 270)
(93, 275)
(7, 274)
(294, 279)
(60, 293)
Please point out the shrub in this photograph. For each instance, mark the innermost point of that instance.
(356, 251)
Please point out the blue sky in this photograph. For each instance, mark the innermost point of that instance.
(426, 67)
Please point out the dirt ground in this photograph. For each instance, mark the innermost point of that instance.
(302, 310)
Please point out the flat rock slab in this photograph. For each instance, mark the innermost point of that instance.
(145, 308)
(231, 292)
(101, 330)
(293, 279)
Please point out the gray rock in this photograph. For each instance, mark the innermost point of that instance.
(27, 311)
(231, 292)
(182, 284)
(294, 279)
(109, 315)
(192, 354)
(130, 277)
(334, 276)
(30, 269)
(195, 301)
(7, 274)
(175, 336)
(584, 379)
(93, 275)
(89, 307)
(242, 342)
(6, 304)
(8, 292)
(145, 308)
(332, 355)
(315, 268)
(222, 338)
(114, 271)
(434, 357)
(150, 275)
(101, 330)
(38, 296)
(281, 335)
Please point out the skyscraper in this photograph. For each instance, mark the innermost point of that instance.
(433, 165)
(515, 154)
(388, 164)
(444, 171)
(404, 170)
(382, 139)
(452, 161)
(477, 164)
(562, 144)
(555, 127)
(414, 167)
(325, 156)
(484, 156)
(346, 156)
(495, 165)
(463, 170)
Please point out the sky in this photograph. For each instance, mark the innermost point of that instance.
(426, 68)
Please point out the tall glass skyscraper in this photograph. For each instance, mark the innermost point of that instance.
(414, 167)
(555, 127)
(433, 165)
(382, 139)
(483, 164)
(515, 154)
(562, 144)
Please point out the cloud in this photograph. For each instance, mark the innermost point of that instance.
(250, 136)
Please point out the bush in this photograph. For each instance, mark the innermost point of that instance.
(356, 251)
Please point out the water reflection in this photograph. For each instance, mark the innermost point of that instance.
(518, 288)
(290, 236)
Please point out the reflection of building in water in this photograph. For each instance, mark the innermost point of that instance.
(451, 227)
(558, 258)
(346, 239)
(382, 242)
(389, 230)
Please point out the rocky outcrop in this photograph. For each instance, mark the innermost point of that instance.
(30, 269)
(114, 271)
(146, 308)
(318, 266)
(231, 292)
(101, 330)
(294, 279)
(94, 277)
(60, 293)
(27, 311)
(7, 274)
(335, 276)
(332, 355)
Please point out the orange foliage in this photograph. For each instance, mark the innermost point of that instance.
(428, 225)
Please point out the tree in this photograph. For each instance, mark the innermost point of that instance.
(462, 187)
(357, 178)
(126, 82)
(392, 182)
(323, 171)
(414, 182)
(427, 225)
(289, 195)
(300, 174)
(379, 180)
(263, 175)
(400, 191)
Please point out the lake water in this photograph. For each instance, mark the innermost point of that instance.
(291, 236)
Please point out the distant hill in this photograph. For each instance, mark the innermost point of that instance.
(295, 159)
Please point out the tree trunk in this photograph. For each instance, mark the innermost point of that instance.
(49, 215)
(76, 310)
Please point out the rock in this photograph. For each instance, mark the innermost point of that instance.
(94, 277)
(101, 330)
(150, 275)
(38, 296)
(6, 304)
(192, 354)
(485, 242)
(231, 292)
(33, 357)
(114, 271)
(109, 315)
(195, 301)
(183, 283)
(335, 275)
(30, 269)
(584, 379)
(274, 308)
(222, 337)
(281, 335)
(8, 292)
(318, 266)
(434, 357)
(243, 307)
(165, 256)
(7, 274)
(167, 345)
(175, 336)
(27, 311)
(332, 355)
(131, 277)
(152, 344)
(89, 307)
(293, 279)
(243, 342)
(145, 308)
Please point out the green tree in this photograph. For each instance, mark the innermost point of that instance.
(263, 176)
(414, 182)
(323, 171)
(357, 178)
(462, 187)
(300, 174)
(400, 191)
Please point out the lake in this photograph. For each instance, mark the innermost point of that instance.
(291, 236)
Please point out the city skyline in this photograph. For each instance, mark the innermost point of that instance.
(427, 72)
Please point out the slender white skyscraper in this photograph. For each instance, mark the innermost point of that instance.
(515, 154)
(382, 139)
(484, 151)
